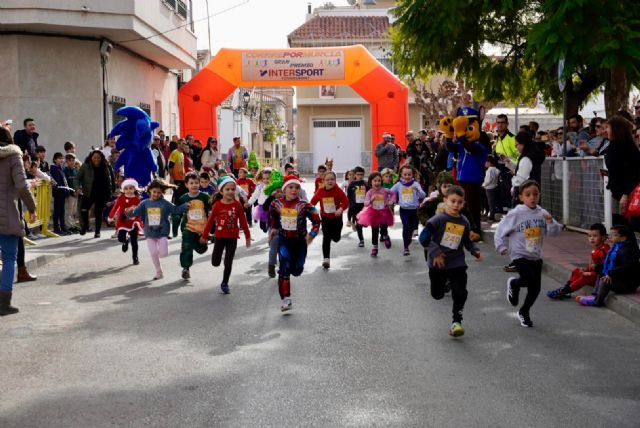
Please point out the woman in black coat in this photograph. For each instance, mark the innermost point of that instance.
(622, 159)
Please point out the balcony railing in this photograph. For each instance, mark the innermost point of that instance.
(182, 9)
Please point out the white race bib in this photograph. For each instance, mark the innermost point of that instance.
(196, 214)
(360, 195)
(329, 205)
(533, 239)
(452, 235)
(407, 195)
(154, 216)
(289, 219)
(378, 202)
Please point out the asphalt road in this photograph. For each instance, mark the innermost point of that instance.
(98, 344)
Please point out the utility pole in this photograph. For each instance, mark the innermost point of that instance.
(208, 28)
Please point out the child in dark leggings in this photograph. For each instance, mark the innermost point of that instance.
(226, 213)
(409, 194)
(377, 212)
(127, 228)
(525, 226)
(357, 192)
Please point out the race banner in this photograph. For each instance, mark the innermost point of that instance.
(292, 64)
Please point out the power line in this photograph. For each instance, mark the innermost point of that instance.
(184, 25)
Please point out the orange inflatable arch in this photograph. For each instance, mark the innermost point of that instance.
(351, 65)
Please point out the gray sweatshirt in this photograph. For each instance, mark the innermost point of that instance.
(525, 229)
(445, 234)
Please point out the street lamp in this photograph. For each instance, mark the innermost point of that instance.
(267, 114)
(246, 97)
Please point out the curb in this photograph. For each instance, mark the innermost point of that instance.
(618, 303)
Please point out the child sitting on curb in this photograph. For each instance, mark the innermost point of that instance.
(580, 277)
(621, 268)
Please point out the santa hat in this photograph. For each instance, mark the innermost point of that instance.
(225, 180)
(129, 182)
(291, 179)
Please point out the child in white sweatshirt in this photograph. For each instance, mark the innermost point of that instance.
(526, 226)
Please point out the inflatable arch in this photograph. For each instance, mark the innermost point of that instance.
(351, 65)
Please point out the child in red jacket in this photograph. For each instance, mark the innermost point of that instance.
(226, 212)
(125, 225)
(333, 202)
(580, 277)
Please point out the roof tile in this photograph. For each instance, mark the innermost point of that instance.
(342, 27)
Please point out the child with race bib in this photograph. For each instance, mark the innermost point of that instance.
(288, 218)
(155, 213)
(377, 212)
(526, 226)
(444, 236)
(357, 193)
(333, 202)
(226, 213)
(409, 193)
(193, 222)
(260, 197)
(124, 225)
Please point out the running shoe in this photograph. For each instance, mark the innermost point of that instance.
(510, 268)
(513, 293)
(125, 246)
(525, 320)
(374, 252)
(586, 300)
(159, 275)
(456, 330)
(225, 288)
(361, 244)
(136, 261)
(406, 252)
(325, 264)
(286, 305)
(387, 242)
(558, 294)
(186, 274)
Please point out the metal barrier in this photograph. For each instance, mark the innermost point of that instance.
(574, 191)
(42, 195)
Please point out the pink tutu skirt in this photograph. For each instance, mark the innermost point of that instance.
(260, 214)
(374, 218)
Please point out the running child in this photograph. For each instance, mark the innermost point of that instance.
(409, 193)
(434, 203)
(357, 192)
(258, 196)
(226, 212)
(127, 228)
(333, 202)
(444, 236)
(348, 178)
(389, 178)
(526, 226)
(597, 237)
(377, 212)
(322, 169)
(620, 270)
(155, 214)
(193, 222)
(206, 185)
(288, 218)
(273, 243)
(248, 186)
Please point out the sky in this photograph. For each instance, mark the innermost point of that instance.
(253, 24)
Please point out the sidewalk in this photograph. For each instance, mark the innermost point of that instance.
(568, 251)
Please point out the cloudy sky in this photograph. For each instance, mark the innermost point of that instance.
(250, 23)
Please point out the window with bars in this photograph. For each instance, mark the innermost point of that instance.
(115, 104)
(182, 9)
(146, 108)
(348, 124)
(324, 123)
(171, 4)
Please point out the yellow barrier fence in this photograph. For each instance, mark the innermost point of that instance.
(42, 194)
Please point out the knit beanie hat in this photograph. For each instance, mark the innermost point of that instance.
(223, 181)
(291, 179)
(128, 182)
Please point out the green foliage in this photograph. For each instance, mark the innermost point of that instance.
(272, 131)
(527, 37)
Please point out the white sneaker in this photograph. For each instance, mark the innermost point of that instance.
(286, 305)
(159, 275)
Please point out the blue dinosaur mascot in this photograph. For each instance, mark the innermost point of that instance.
(136, 132)
(470, 145)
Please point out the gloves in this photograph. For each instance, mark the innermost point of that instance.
(447, 127)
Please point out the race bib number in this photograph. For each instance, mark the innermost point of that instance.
(452, 235)
(154, 216)
(407, 195)
(533, 238)
(196, 214)
(360, 194)
(329, 205)
(378, 202)
(289, 219)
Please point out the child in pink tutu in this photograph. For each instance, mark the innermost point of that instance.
(377, 212)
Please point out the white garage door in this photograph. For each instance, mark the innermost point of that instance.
(337, 139)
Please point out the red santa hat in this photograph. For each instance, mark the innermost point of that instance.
(291, 179)
(129, 182)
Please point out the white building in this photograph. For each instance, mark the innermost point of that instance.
(70, 64)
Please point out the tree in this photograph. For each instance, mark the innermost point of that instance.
(509, 49)
(328, 5)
